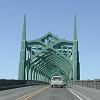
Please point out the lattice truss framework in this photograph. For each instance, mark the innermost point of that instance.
(47, 56)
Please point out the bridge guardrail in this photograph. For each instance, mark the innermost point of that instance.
(88, 83)
(9, 84)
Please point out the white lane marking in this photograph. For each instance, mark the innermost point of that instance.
(75, 94)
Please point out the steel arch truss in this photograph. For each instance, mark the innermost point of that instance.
(48, 56)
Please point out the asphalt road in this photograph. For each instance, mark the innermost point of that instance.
(37, 93)
(55, 94)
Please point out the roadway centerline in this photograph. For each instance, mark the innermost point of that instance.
(27, 98)
(29, 95)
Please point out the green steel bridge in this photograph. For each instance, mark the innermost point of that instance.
(42, 58)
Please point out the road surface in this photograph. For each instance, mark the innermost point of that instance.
(37, 93)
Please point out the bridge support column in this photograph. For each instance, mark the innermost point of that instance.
(23, 53)
(34, 75)
(31, 73)
(76, 70)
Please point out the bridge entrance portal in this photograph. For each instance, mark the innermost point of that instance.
(47, 56)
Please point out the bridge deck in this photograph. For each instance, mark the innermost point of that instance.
(44, 92)
(86, 93)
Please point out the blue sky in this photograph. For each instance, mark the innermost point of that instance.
(54, 16)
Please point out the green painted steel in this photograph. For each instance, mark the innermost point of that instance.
(49, 55)
(23, 53)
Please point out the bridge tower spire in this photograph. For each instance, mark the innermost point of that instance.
(76, 65)
(23, 53)
(75, 28)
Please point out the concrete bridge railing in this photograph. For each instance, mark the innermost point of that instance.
(88, 83)
(9, 84)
